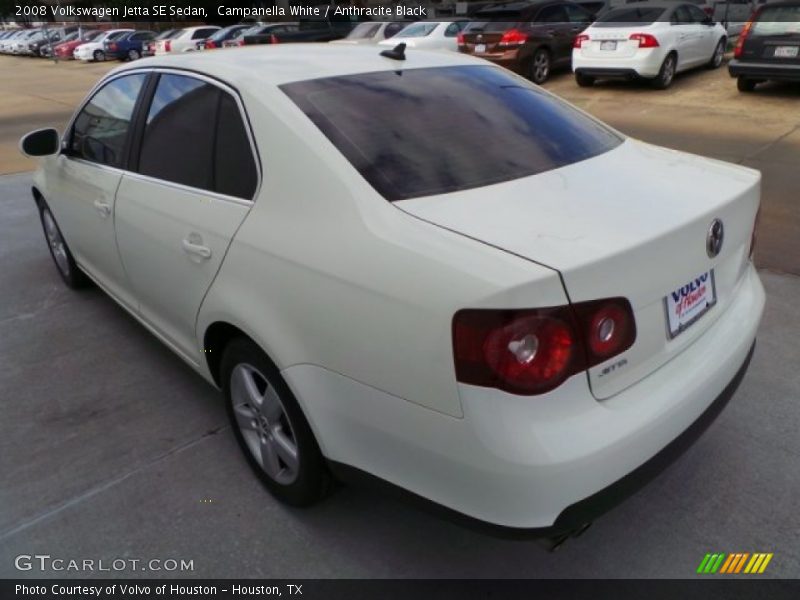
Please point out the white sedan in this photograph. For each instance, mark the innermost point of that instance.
(429, 35)
(95, 50)
(186, 40)
(516, 330)
(651, 40)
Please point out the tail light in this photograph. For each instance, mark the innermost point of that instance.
(240, 43)
(460, 39)
(210, 44)
(533, 351)
(168, 46)
(513, 37)
(645, 40)
(579, 39)
(112, 47)
(273, 39)
(737, 50)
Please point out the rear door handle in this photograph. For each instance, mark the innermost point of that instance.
(203, 252)
(104, 208)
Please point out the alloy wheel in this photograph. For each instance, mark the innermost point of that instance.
(540, 68)
(264, 424)
(56, 243)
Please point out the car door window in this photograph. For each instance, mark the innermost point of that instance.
(195, 136)
(682, 16)
(576, 14)
(552, 14)
(696, 15)
(100, 131)
(452, 30)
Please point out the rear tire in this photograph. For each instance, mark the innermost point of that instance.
(745, 85)
(270, 426)
(584, 80)
(718, 55)
(59, 251)
(99, 56)
(540, 66)
(134, 54)
(667, 73)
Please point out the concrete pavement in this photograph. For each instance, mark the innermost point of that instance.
(111, 448)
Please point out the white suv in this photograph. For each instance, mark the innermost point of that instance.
(185, 41)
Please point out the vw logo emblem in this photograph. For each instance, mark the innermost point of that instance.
(715, 237)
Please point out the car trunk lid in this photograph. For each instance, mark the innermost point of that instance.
(632, 222)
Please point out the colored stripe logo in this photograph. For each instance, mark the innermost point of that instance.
(738, 562)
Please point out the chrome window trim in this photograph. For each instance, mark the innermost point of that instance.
(186, 73)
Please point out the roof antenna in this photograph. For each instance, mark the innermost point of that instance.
(396, 53)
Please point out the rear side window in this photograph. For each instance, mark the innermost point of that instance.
(496, 126)
(194, 136)
(101, 128)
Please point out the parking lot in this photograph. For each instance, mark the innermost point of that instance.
(111, 447)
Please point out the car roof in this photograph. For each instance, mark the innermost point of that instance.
(275, 64)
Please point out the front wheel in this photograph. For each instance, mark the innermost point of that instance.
(666, 74)
(540, 66)
(719, 53)
(134, 54)
(270, 426)
(99, 56)
(62, 257)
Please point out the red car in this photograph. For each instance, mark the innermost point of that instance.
(64, 50)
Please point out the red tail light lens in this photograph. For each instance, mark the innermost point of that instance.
(460, 39)
(579, 39)
(273, 39)
(513, 37)
(168, 46)
(529, 352)
(210, 44)
(737, 50)
(240, 43)
(645, 40)
(112, 47)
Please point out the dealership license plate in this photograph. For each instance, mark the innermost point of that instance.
(610, 46)
(689, 302)
(480, 48)
(786, 51)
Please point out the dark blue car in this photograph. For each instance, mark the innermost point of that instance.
(128, 46)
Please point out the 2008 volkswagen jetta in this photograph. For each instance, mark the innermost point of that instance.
(419, 266)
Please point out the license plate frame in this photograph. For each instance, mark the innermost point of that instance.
(480, 48)
(676, 324)
(786, 52)
(608, 46)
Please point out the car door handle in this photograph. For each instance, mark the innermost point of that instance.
(104, 208)
(197, 249)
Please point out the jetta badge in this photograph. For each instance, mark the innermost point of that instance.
(715, 237)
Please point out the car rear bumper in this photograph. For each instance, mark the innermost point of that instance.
(535, 465)
(645, 64)
(761, 70)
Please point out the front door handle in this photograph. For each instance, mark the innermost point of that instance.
(203, 252)
(104, 208)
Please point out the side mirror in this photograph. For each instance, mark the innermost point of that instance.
(42, 142)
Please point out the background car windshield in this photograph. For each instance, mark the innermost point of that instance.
(778, 20)
(417, 30)
(497, 127)
(363, 31)
(507, 22)
(630, 16)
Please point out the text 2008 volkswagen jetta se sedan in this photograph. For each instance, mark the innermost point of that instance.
(423, 268)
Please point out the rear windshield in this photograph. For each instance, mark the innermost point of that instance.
(630, 16)
(430, 131)
(363, 31)
(778, 20)
(493, 26)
